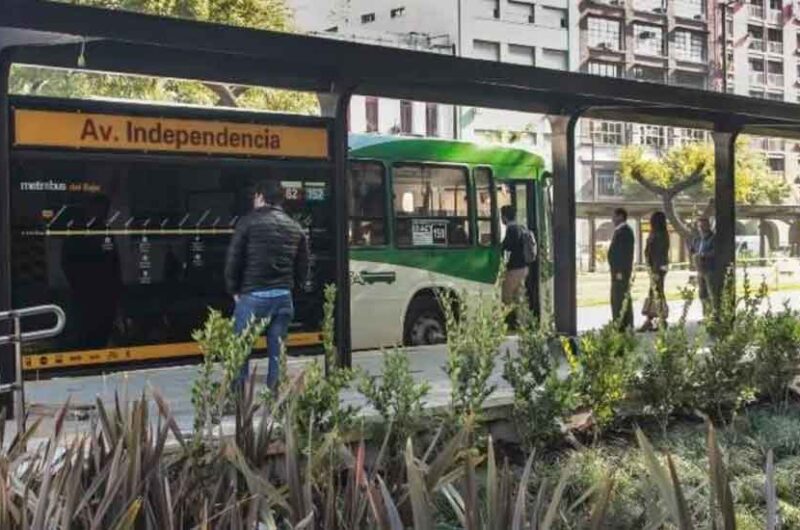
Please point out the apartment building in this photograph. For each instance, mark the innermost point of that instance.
(527, 32)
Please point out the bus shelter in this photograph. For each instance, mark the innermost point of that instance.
(66, 36)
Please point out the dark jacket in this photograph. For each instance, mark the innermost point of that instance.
(703, 252)
(268, 250)
(512, 244)
(620, 253)
(656, 252)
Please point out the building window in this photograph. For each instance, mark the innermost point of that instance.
(554, 59)
(406, 117)
(649, 135)
(552, 17)
(690, 46)
(371, 107)
(484, 191)
(757, 94)
(655, 6)
(521, 12)
(608, 132)
(683, 136)
(774, 40)
(776, 164)
(775, 73)
(649, 39)
(608, 182)
(775, 96)
(603, 33)
(690, 9)
(489, 51)
(651, 75)
(755, 35)
(688, 79)
(367, 18)
(432, 120)
(488, 9)
(602, 68)
(519, 54)
(397, 12)
(756, 71)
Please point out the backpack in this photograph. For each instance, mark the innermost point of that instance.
(530, 249)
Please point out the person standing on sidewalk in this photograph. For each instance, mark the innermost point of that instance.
(620, 261)
(267, 258)
(703, 256)
(656, 252)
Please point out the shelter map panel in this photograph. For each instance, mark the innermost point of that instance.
(134, 251)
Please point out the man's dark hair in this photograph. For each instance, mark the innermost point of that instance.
(508, 212)
(621, 212)
(271, 190)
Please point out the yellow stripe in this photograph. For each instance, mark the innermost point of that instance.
(44, 361)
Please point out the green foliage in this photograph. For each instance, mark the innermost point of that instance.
(476, 328)
(541, 398)
(396, 396)
(602, 368)
(754, 182)
(318, 407)
(665, 382)
(259, 14)
(224, 354)
(777, 352)
(724, 375)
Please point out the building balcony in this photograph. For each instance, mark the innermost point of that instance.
(756, 44)
(756, 11)
(775, 16)
(757, 78)
(775, 80)
(774, 46)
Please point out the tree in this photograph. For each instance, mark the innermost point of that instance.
(687, 172)
(259, 14)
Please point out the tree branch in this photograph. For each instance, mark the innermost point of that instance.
(692, 180)
(226, 94)
(649, 186)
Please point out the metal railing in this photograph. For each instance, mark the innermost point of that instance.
(755, 11)
(756, 44)
(17, 338)
(775, 46)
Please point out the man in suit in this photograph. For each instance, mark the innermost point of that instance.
(620, 261)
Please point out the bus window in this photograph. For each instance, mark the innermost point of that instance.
(483, 200)
(504, 198)
(432, 205)
(367, 206)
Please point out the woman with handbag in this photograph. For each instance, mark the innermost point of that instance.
(657, 255)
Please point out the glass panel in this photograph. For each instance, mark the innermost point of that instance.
(367, 206)
(432, 205)
(483, 199)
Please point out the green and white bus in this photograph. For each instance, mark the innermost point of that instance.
(424, 216)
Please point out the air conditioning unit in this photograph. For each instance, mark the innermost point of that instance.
(603, 46)
(699, 17)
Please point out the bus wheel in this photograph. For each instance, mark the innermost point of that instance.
(425, 323)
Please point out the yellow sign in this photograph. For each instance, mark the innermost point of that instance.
(75, 130)
(45, 361)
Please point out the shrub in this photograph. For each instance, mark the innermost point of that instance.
(541, 397)
(476, 328)
(602, 369)
(665, 382)
(398, 398)
(724, 373)
(317, 406)
(213, 390)
(777, 353)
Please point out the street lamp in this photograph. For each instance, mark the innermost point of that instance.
(724, 6)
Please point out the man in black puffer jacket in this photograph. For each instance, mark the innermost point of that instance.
(267, 258)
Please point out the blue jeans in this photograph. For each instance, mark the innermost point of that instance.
(279, 311)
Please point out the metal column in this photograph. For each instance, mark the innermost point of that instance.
(724, 204)
(7, 363)
(592, 244)
(564, 240)
(340, 193)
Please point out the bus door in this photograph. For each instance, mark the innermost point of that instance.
(521, 194)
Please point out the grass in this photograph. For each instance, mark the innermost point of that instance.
(745, 444)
